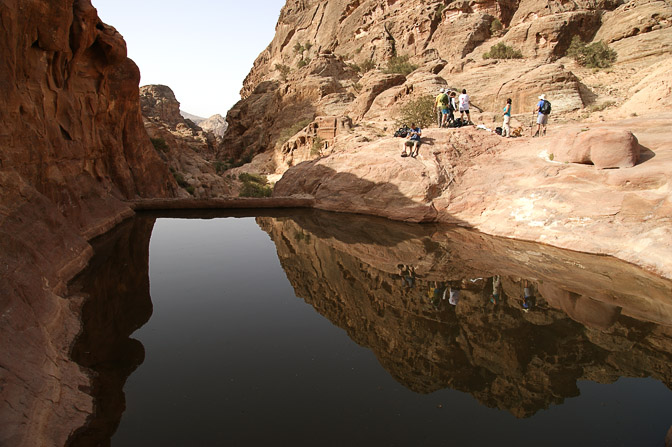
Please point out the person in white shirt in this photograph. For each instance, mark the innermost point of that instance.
(464, 106)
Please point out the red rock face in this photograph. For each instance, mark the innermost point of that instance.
(72, 148)
(71, 124)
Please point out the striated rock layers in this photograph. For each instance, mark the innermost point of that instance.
(593, 318)
(330, 59)
(188, 149)
(72, 149)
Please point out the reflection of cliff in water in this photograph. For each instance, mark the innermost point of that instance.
(116, 285)
(592, 317)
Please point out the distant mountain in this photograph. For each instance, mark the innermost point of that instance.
(194, 118)
(216, 124)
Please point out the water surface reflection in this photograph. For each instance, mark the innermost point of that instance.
(233, 357)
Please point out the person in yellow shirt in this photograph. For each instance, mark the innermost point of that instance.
(438, 106)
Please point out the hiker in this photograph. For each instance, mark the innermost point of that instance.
(407, 274)
(543, 110)
(452, 108)
(448, 109)
(529, 300)
(413, 140)
(496, 289)
(464, 106)
(506, 128)
(438, 106)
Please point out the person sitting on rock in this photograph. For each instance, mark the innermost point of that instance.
(413, 141)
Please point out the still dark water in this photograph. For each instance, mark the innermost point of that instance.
(322, 329)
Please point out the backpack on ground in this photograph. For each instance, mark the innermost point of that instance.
(498, 130)
(456, 123)
(545, 108)
(402, 132)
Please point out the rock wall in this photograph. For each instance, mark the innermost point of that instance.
(73, 148)
(329, 58)
(189, 151)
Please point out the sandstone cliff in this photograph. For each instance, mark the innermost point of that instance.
(187, 148)
(328, 58)
(321, 103)
(73, 148)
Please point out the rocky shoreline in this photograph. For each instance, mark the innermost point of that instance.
(511, 188)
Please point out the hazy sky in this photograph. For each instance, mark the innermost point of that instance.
(202, 49)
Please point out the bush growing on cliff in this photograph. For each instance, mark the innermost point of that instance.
(289, 132)
(400, 65)
(502, 51)
(283, 69)
(364, 67)
(496, 26)
(254, 185)
(318, 144)
(595, 55)
(159, 144)
(419, 111)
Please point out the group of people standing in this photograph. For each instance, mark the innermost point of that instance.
(447, 103)
(542, 110)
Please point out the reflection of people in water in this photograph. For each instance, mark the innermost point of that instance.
(529, 300)
(437, 293)
(454, 292)
(407, 274)
(496, 289)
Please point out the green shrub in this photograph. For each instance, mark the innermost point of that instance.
(289, 132)
(298, 48)
(318, 144)
(367, 65)
(438, 15)
(308, 46)
(190, 189)
(419, 111)
(302, 63)
(246, 177)
(496, 26)
(400, 65)
(220, 166)
(254, 185)
(245, 158)
(159, 144)
(503, 51)
(364, 67)
(596, 55)
(179, 178)
(283, 69)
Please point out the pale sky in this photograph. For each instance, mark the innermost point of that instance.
(201, 49)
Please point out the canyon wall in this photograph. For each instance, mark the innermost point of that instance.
(331, 59)
(73, 148)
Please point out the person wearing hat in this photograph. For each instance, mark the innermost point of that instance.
(439, 105)
(542, 118)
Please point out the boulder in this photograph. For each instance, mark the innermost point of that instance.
(605, 148)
